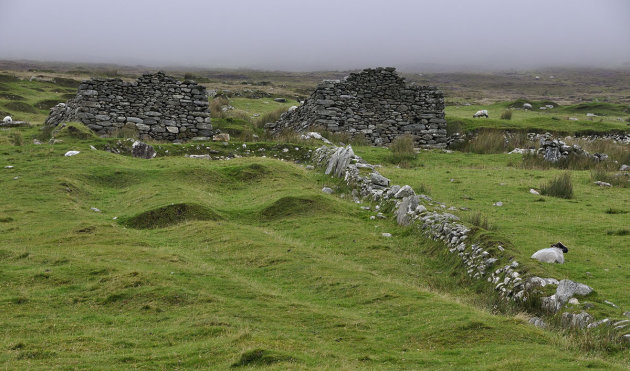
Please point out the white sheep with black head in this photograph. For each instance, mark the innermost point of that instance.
(553, 254)
(481, 113)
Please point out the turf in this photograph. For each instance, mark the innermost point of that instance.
(288, 277)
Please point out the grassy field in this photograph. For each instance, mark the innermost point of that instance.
(240, 276)
(611, 117)
(192, 263)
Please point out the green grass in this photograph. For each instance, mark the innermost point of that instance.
(36, 98)
(478, 181)
(553, 120)
(287, 277)
(246, 263)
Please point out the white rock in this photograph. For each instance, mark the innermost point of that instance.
(624, 168)
(96, 210)
(72, 153)
(603, 184)
(574, 301)
(533, 191)
(386, 235)
(9, 167)
(498, 203)
(327, 190)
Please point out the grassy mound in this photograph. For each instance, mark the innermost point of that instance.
(261, 357)
(20, 107)
(246, 173)
(290, 206)
(73, 130)
(170, 215)
(47, 104)
(9, 96)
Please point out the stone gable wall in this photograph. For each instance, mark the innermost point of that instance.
(159, 106)
(376, 103)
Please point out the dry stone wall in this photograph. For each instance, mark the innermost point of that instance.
(159, 106)
(375, 103)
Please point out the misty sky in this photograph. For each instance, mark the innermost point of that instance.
(319, 34)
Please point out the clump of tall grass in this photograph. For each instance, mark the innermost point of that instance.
(604, 176)
(268, 117)
(481, 221)
(560, 186)
(216, 106)
(506, 115)
(16, 138)
(570, 162)
(403, 153)
(486, 141)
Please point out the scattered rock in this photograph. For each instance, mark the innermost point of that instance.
(405, 191)
(498, 203)
(327, 190)
(533, 191)
(142, 150)
(379, 180)
(72, 153)
(9, 167)
(624, 168)
(574, 301)
(36, 142)
(96, 210)
(387, 235)
(598, 323)
(603, 184)
(610, 303)
(579, 320)
(538, 322)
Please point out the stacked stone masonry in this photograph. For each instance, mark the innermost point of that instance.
(159, 106)
(375, 103)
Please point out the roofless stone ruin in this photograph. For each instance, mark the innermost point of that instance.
(376, 103)
(159, 106)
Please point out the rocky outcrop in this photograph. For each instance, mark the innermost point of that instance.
(157, 105)
(375, 103)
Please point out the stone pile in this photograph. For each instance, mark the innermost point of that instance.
(375, 103)
(157, 105)
(489, 263)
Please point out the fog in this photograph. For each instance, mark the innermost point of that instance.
(320, 35)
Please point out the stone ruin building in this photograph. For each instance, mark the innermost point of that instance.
(375, 103)
(159, 106)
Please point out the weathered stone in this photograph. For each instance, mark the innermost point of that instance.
(142, 150)
(150, 103)
(375, 103)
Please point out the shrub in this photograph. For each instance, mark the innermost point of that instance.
(560, 186)
(486, 141)
(402, 149)
(506, 115)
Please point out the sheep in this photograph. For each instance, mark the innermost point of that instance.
(7, 120)
(553, 254)
(480, 113)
